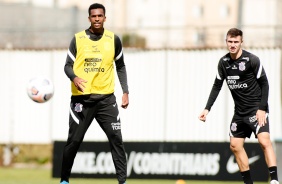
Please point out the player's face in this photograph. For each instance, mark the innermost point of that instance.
(97, 19)
(233, 44)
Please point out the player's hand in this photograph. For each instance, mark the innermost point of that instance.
(79, 83)
(261, 117)
(203, 115)
(125, 100)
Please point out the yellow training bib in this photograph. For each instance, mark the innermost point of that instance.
(95, 63)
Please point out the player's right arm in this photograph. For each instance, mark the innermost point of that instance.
(203, 115)
(217, 85)
(78, 82)
(70, 60)
(214, 93)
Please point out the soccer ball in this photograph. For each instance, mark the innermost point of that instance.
(40, 89)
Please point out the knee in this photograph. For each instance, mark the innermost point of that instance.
(73, 144)
(265, 144)
(235, 148)
(232, 148)
(76, 143)
(116, 138)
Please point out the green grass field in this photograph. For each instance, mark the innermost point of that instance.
(43, 176)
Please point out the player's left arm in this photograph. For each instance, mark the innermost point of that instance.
(121, 71)
(263, 83)
(261, 113)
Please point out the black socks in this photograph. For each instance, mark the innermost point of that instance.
(273, 173)
(246, 175)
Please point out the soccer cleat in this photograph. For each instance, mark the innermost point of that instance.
(64, 182)
(274, 182)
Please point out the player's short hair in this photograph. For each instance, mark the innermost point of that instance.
(233, 32)
(96, 6)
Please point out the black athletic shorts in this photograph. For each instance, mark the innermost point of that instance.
(243, 127)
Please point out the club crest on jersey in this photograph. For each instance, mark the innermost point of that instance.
(242, 66)
(233, 127)
(78, 107)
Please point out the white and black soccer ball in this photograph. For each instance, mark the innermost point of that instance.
(40, 89)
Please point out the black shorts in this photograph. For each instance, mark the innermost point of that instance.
(83, 110)
(243, 127)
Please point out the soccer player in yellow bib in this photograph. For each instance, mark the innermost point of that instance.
(90, 67)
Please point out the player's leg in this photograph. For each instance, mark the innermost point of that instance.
(108, 119)
(237, 147)
(238, 132)
(79, 121)
(269, 154)
(266, 145)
